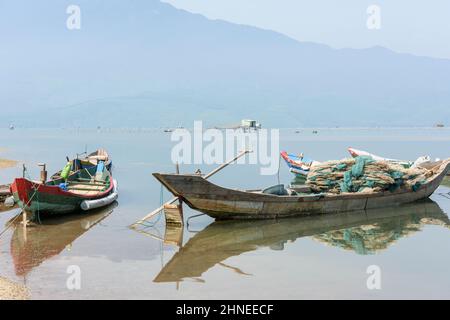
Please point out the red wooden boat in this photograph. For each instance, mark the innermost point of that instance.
(59, 196)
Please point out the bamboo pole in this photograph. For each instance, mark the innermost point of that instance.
(226, 164)
(156, 211)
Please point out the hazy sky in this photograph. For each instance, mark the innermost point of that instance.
(412, 26)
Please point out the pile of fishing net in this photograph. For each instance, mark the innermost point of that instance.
(364, 174)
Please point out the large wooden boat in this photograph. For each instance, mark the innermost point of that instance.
(61, 196)
(224, 203)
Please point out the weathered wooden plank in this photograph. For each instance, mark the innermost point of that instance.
(173, 214)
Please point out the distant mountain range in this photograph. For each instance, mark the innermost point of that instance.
(142, 63)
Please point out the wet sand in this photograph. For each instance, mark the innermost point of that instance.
(12, 291)
(4, 164)
(7, 163)
(3, 187)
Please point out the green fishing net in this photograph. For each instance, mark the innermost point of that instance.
(364, 174)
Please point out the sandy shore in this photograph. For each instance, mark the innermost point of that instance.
(12, 291)
(7, 163)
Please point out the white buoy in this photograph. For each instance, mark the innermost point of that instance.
(10, 202)
(98, 203)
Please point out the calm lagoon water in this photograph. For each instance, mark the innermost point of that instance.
(317, 257)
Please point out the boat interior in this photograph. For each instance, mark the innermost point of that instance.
(431, 164)
(87, 181)
(91, 160)
(97, 156)
(281, 190)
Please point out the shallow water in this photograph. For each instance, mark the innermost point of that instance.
(317, 257)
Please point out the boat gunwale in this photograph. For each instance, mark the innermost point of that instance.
(27, 186)
(57, 191)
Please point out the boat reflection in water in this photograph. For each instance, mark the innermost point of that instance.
(364, 232)
(51, 237)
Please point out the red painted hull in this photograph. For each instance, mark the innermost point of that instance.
(50, 199)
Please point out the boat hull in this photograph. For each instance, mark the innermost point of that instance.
(223, 203)
(50, 200)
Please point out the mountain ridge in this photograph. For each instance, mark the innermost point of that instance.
(169, 66)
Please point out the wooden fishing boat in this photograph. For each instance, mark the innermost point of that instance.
(5, 192)
(375, 229)
(423, 161)
(356, 153)
(298, 164)
(61, 196)
(278, 202)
